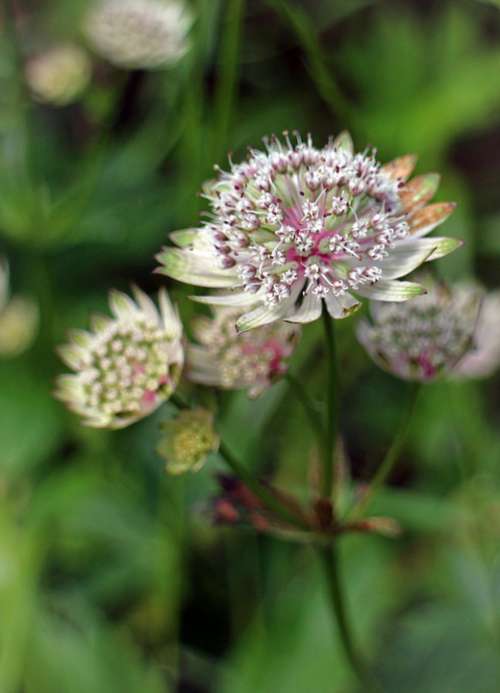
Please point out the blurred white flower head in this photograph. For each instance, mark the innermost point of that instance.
(426, 337)
(19, 318)
(251, 361)
(187, 440)
(59, 75)
(127, 366)
(139, 33)
(295, 226)
(484, 358)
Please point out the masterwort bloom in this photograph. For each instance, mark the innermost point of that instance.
(295, 225)
(484, 358)
(19, 318)
(139, 33)
(59, 75)
(127, 366)
(426, 337)
(231, 360)
(187, 440)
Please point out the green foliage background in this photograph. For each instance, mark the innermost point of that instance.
(112, 577)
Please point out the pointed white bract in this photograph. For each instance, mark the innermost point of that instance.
(225, 358)
(139, 33)
(425, 338)
(127, 365)
(484, 358)
(296, 226)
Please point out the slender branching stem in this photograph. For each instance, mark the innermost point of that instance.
(392, 455)
(329, 560)
(331, 423)
(264, 494)
(310, 410)
(228, 74)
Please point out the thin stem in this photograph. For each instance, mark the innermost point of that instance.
(267, 498)
(329, 561)
(307, 404)
(321, 73)
(228, 74)
(331, 423)
(393, 452)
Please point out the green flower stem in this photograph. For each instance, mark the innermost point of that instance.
(228, 75)
(392, 455)
(308, 406)
(332, 406)
(266, 497)
(328, 557)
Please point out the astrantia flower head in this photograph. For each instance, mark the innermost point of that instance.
(426, 337)
(19, 318)
(484, 358)
(59, 75)
(187, 440)
(139, 33)
(127, 366)
(250, 361)
(296, 225)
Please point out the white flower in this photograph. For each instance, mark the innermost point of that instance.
(426, 337)
(139, 33)
(484, 358)
(127, 366)
(59, 75)
(19, 317)
(296, 225)
(250, 361)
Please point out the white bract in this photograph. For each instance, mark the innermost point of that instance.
(426, 337)
(139, 33)
(127, 366)
(295, 226)
(250, 361)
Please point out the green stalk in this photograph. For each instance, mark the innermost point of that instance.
(392, 455)
(328, 557)
(321, 73)
(308, 406)
(228, 75)
(266, 497)
(332, 405)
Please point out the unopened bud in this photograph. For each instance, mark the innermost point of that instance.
(187, 440)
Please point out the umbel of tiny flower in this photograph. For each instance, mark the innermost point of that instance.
(187, 440)
(225, 358)
(139, 33)
(59, 75)
(127, 365)
(295, 226)
(19, 318)
(426, 337)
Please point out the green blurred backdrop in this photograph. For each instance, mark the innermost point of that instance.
(112, 575)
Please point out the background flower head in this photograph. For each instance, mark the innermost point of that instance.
(251, 360)
(425, 337)
(297, 225)
(484, 358)
(19, 318)
(139, 33)
(127, 366)
(59, 75)
(187, 439)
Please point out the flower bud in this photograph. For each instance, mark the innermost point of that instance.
(187, 440)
